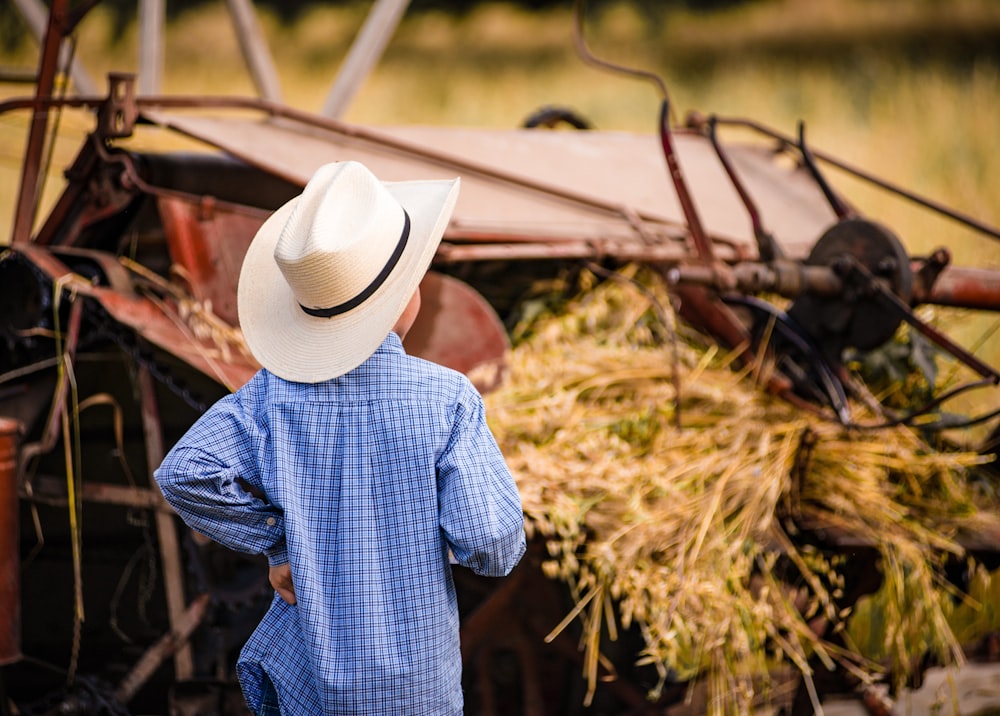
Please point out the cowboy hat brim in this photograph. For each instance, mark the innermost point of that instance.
(307, 349)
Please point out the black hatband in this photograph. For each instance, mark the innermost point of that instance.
(373, 286)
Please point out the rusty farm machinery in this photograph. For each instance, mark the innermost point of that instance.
(117, 312)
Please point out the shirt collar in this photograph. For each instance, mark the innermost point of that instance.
(392, 343)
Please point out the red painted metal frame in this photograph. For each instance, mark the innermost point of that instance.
(10, 568)
(24, 213)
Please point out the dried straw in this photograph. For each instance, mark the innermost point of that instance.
(680, 531)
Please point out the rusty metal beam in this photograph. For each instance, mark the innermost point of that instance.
(27, 197)
(10, 568)
(963, 287)
(166, 530)
(154, 321)
(52, 491)
(174, 641)
(35, 13)
(696, 121)
(449, 253)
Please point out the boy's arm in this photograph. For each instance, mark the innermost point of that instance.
(210, 478)
(481, 512)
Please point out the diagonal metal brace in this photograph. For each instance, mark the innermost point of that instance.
(893, 302)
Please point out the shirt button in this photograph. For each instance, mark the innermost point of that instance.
(271, 521)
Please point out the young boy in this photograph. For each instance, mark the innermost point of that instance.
(355, 468)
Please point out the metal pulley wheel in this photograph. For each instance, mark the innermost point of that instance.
(857, 317)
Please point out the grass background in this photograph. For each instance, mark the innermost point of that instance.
(906, 89)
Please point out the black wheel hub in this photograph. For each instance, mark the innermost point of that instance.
(856, 318)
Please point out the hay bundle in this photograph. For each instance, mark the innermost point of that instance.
(656, 475)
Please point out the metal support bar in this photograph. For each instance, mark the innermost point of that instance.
(767, 247)
(702, 244)
(52, 491)
(962, 355)
(10, 574)
(151, 16)
(173, 641)
(786, 278)
(170, 553)
(982, 227)
(840, 208)
(254, 48)
(27, 198)
(35, 14)
(365, 52)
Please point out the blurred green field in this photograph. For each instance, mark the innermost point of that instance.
(902, 89)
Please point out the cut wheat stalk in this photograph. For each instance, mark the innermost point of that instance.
(671, 525)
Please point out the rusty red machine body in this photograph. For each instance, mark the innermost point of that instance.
(118, 314)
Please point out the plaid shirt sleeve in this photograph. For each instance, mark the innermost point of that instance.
(210, 478)
(480, 506)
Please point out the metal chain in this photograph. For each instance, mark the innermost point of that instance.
(140, 353)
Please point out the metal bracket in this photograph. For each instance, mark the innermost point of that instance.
(116, 117)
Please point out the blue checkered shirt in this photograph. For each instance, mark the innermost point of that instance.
(370, 479)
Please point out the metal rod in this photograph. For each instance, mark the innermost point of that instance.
(34, 14)
(151, 16)
(10, 573)
(27, 198)
(52, 491)
(166, 529)
(962, 287)
(836, 203)
(374, 35)
(701, 241)
(767, 247)
(172, 642)
(965, 219)
(938, 337)
(254, 48)
(559, 249)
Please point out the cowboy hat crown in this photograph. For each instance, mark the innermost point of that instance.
(329, 273)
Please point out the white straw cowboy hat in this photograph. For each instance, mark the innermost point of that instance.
(329, 273)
